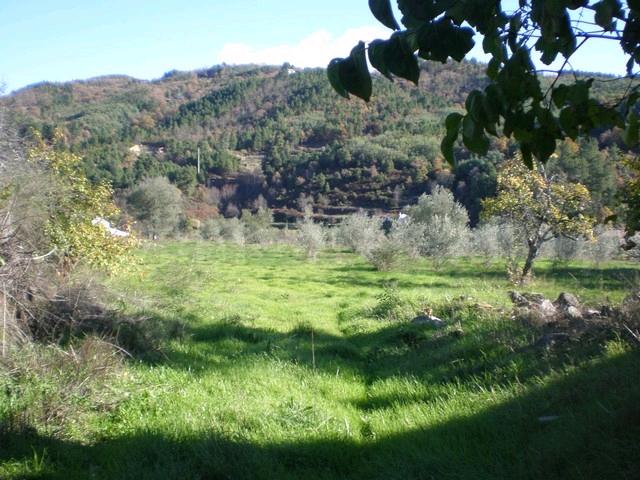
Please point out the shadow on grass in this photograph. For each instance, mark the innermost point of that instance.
(605, 278)
(593, 435)
(490, 353)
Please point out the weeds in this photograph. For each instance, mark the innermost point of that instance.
(47, 387)
(391, 305)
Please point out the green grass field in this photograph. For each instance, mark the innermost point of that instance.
(283, 371)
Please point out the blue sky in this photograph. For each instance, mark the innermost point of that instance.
(68, 39)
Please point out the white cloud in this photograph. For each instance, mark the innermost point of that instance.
(315, 50)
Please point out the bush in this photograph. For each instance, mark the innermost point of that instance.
(211, 230)
(391, 306)
(258, 227)
(311, 236)
(387, 254)
(391, 249)
(484, 240)
(441, 225)
(232, 230)
(564, 249)
(360, 233)
(157, 205)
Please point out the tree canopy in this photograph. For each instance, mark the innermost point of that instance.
(516, 102)
(74, 204)
(541, 207)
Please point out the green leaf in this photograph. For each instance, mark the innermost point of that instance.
(576, 94)
(474, 107)
(575, 4)
(631, 132)
(381, 9)
(377, 49)
(496, 100)
(353, 73)
(446, 147)
(527, 157)
(568, 122)
(606, 10)
(334, 77)
(515, 23)
(400, 60)
(473, 136)
(442, 39)
(452, 124)
(416, 12)
(544, 146)
(493, 68)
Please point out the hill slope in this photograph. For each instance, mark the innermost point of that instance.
(276, 132)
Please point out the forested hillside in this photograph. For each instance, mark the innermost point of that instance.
(281, 135)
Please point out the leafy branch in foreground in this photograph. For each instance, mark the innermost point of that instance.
(514, 102)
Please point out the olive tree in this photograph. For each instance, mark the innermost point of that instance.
(157, 205)
(440, 225)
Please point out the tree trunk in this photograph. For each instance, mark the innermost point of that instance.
(534, 246)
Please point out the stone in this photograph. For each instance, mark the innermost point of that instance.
(430, 320)
(607, 311)
(573, 313)
(547, 309)
(591, 313)
(534, 297)
(566, 300)
(517, 299)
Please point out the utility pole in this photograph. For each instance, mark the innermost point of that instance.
(198, 160)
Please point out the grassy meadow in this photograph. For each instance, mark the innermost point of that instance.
(283, 368)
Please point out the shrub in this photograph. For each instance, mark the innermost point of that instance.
(441, 225)
(157, 205)
(442, 238)
(232, 230)
(211, 229)
(391, 249)
(407, 234)
(360, 233)
(390, 305)
(439, 204)
(47, 388)
(511, 243)
(606, 245)
(311, 236)
(564, 249)
(386, 254)
(484, 240)
(258, 226)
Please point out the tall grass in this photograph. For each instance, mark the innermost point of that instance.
(291, 369)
